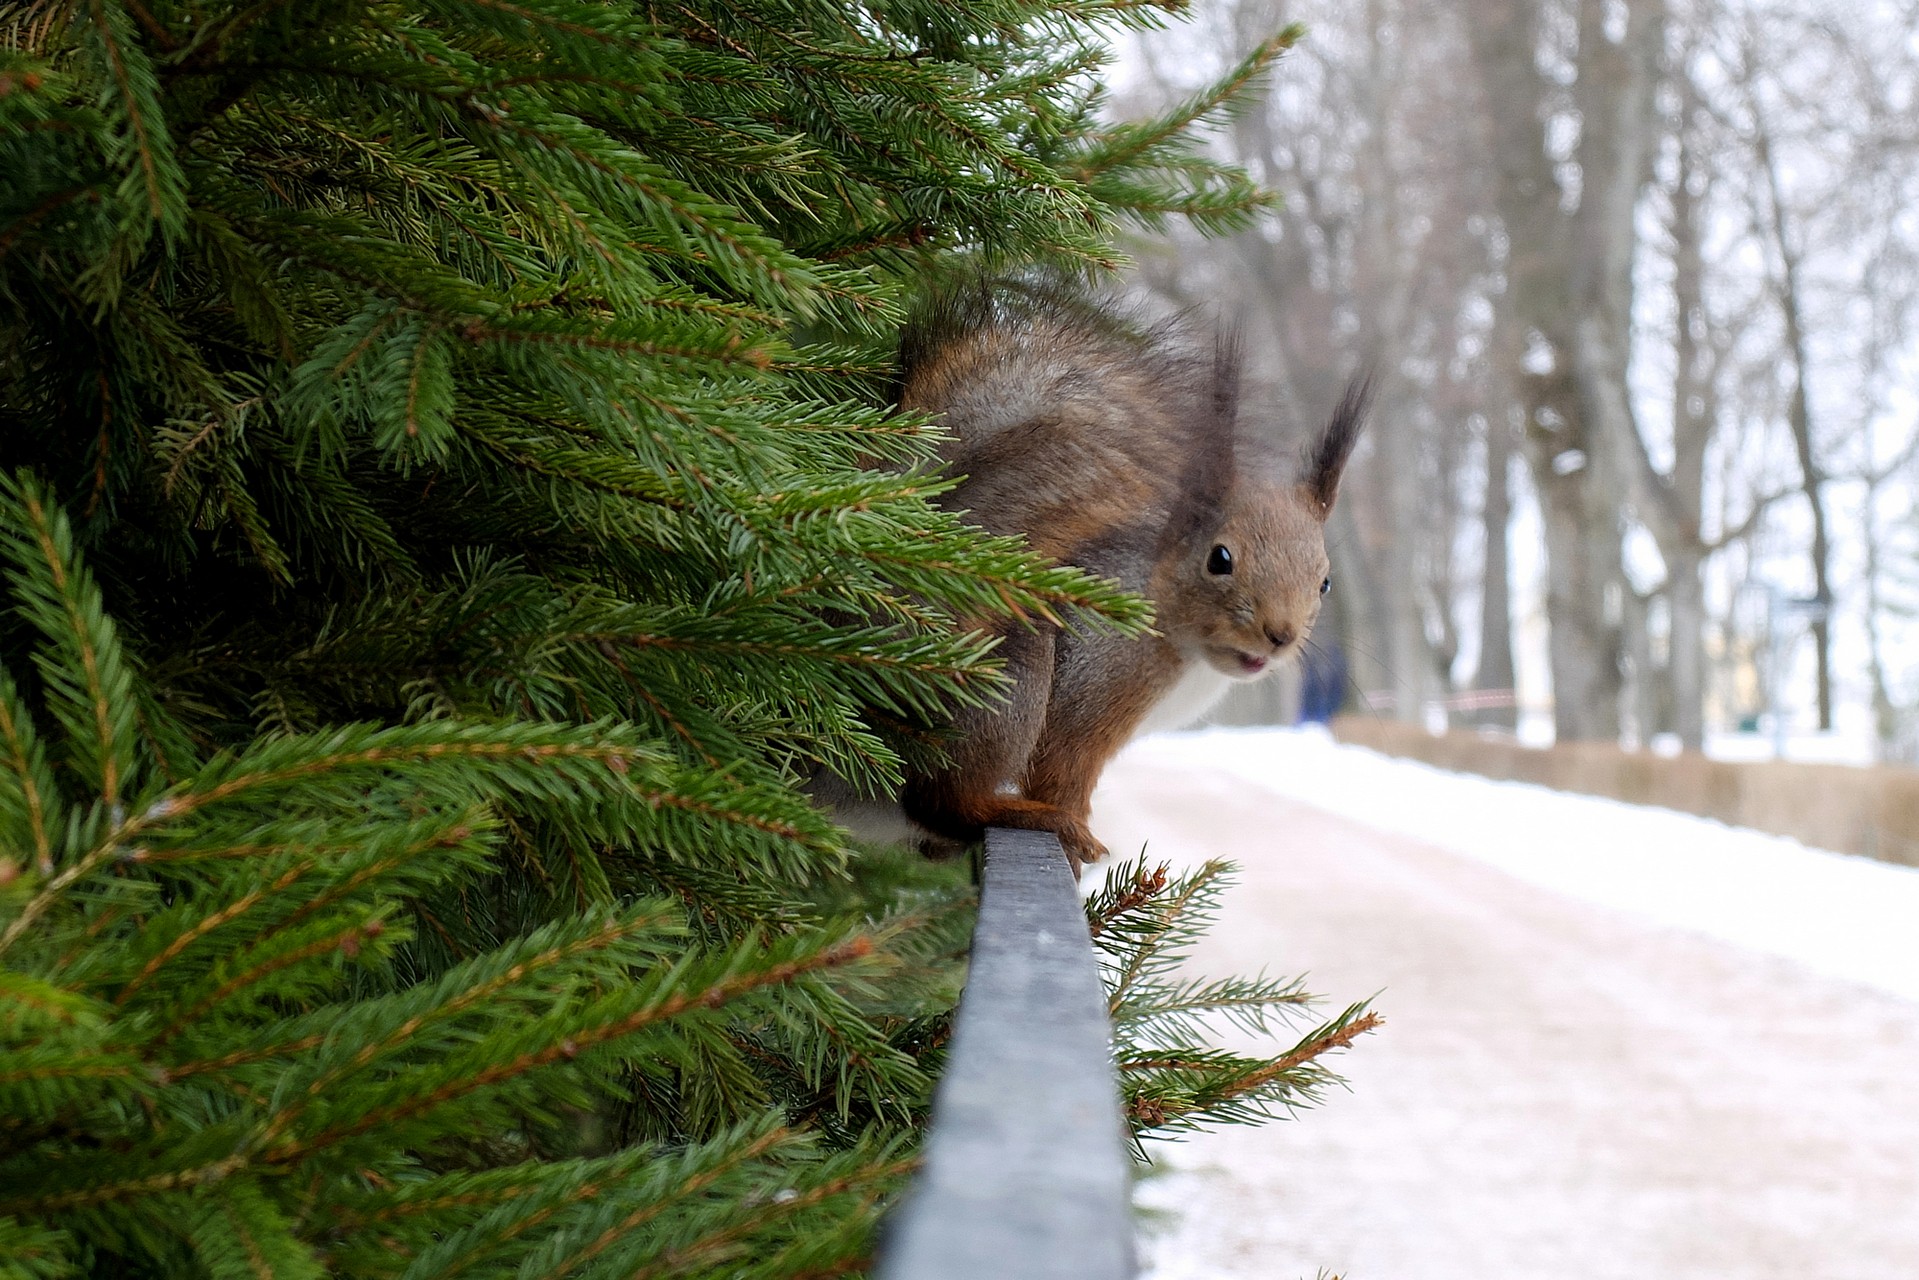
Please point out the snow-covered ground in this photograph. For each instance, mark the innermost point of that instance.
(1845, 916)
(1619, 1042)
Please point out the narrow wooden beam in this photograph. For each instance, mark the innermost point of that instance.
(1027, 1176)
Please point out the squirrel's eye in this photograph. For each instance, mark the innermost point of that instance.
(1326, 584)
(1221, 561)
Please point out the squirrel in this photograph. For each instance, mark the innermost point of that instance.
(1122, 453)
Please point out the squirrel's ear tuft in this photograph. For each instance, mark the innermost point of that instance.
(1206, 401)
(1326, 458)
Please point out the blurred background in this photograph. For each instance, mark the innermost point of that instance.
(1639, 280)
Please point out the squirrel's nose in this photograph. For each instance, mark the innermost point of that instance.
(1280, 636)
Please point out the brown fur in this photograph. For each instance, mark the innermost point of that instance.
(1122, 454)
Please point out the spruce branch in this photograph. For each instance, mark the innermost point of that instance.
(85, 674)
(156, 182)
(323, 943)
(1130, 143)
(29, 1251)
(1145, 920)
(206, 925)
(29, 802)
(29, 1005)
(724, 1244)
(455, 997)
(239, 1233)
(730, 1157)
(564, 1049)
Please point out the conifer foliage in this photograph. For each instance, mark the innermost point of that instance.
(206, 1066)
(1145, 922)
(450, 499)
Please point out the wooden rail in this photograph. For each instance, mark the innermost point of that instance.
(1027, 1175)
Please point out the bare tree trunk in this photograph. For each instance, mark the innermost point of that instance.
(1584, 640)
(1615, 92)
(1686, 659)
(1384, 281)
(1891, 729)
(1357, 604)
(1885, 715)
(1694, 416)
(1495, 600)
(1410, 656)
(1642, 685)
(1569, 287)
(1580, 514)
(1799, 412)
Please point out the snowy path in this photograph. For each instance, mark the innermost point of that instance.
(1566, 1089)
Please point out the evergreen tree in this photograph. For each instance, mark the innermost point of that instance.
(451, 499)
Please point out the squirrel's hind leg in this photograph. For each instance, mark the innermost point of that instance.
(1061, 781)
(975, 790)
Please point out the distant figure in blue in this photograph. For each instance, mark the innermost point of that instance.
(1322, 685)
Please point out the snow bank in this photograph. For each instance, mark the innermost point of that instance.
(1843, 916)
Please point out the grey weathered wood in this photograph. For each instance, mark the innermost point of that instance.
(1027, 1175)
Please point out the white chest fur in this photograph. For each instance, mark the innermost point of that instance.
(1199, 687)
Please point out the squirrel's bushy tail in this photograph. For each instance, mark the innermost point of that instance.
(1052, 393)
